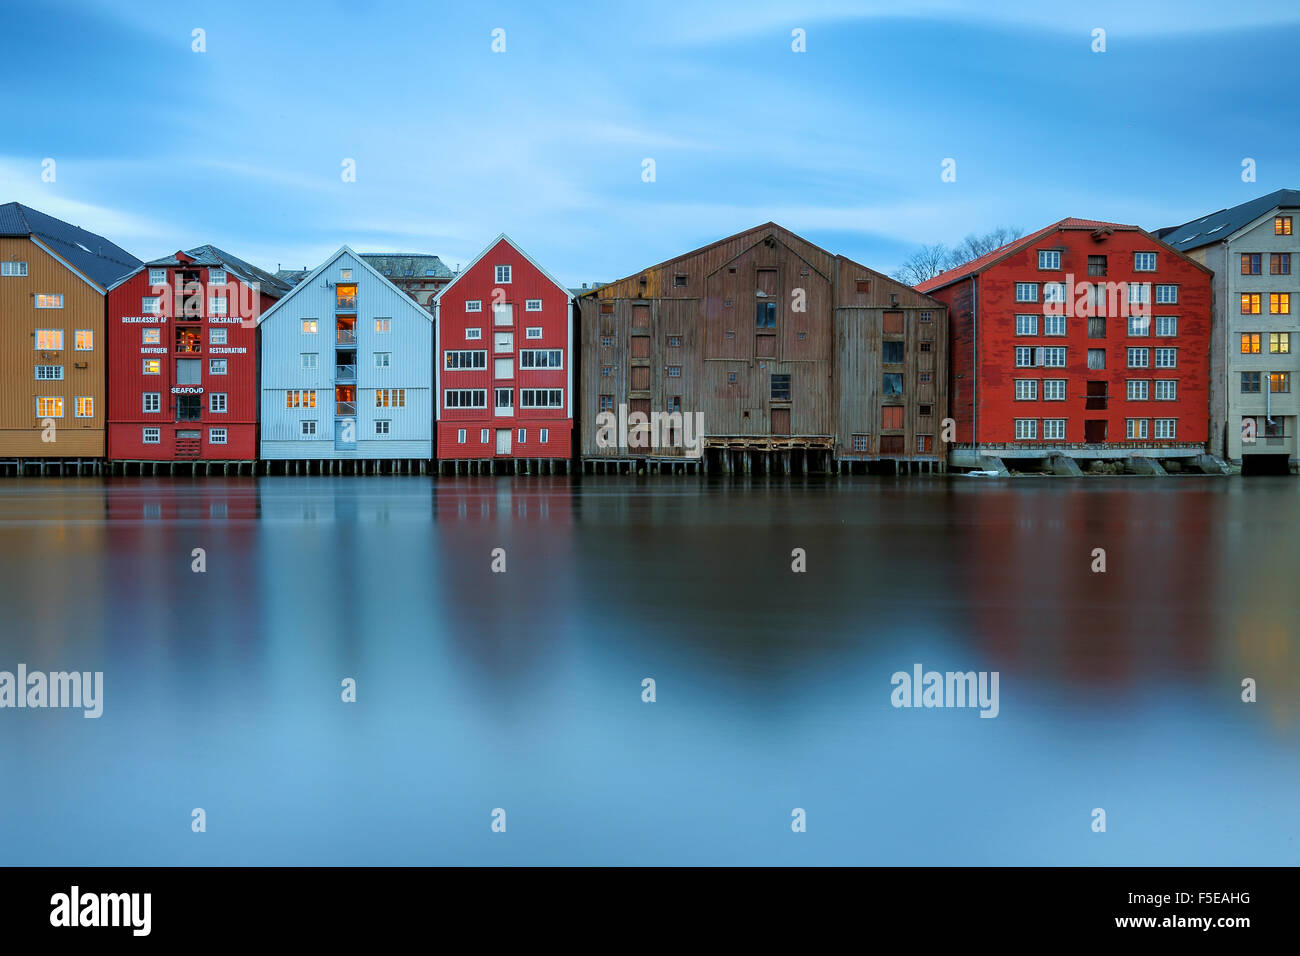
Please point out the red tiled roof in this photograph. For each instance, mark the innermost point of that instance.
(978, 265)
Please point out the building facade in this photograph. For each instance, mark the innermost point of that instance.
(420, 276)
(1083, 340)
(53, 279)
(183, 365)
(347, 372)
(762, 351)
(1254, 250)
(505, 363)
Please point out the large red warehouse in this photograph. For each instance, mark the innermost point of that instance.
(1083, 340)
(183, 363)
(503, 362)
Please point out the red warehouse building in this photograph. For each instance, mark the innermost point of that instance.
(182, 359)
(503, 365)
(1084, 340)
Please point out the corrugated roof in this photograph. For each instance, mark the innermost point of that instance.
(102, 261)
(968, 269)
(210, 255)
(1219, 225)
(407, 265)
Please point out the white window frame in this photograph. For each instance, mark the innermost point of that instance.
(383, 325)
(553, 398)
(144, 366)
(307, 427)
(54, 373)
(460, 436)
(1053, 429)
(1137, 429)
(145, 402)
(1164, 295)
(1169, 426)
(216, 336)
(472, 393)
(1026, 389)
(217, 366)
(387, 360)
(157, 277)
(215, 399)
(1049, 259)
(1026, 429)
(503, 409)
(76, 340)
(1025, 356)
(1026, 291)
(212, 436)
(473, 305)
(1137, 390)
(1026, 324)
(387, 426)
(1166, 358)
(1169, 323)
(503, 275)
(1051, 352)
(48, 300)
(151, 435)
(474, 335)
(216, 276)
(1050, 322)
(1140, 260)
(1143, 353)
(477, 360)
(217, 305)
(533, 332)
(1050, 389)
(13, 268)
(1169, 385)
(76, 406)
(310, 326)
(532, 305)
(532, 354)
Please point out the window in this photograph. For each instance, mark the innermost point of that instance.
(502, 275)
(1026, 428)
(1049, 259)
(465, 398)
(891, 383)
(731, 378)
(1054, 357)
(523, 435)
(216, 366)
(216, 436)
(1026, 291)
(151, 436)
(541, 358)
(1166, 358)
(151, 402)
(532, 305)
(860, 443)
(606, 341)
(1250, 303)
(1096, 265)
(308, 427)
(780, 388)
(347, 273)
(1166, 325)
(83, 340)
(216, 305)
(49, 373)
(83, 406)
(390, 398)
(484, 435)
(1250, 263)
(49, 406)
(216, 336)
(533, 332)
(157, 277)
(1053, 325)
(1279, 303)
(503, 368)
(924, 346)
(300, 398)
(1166, 428)
(1096, 327)
(674, 371)
(1279, 343)
(927, 317)
(1054, 429)
(309, 326)
(1281, 225)
(49, 340)
(345, 298)
(606, 371)
(924, 378)
(1139, 325)
(503, 314)
(1024, 357)
(765, 315)
(1250, 382)
(546, 435)
(674, 341)
(1166, 294)
(382, 427)
(1279, 381)
(13, 268)
(217, 402)
(1054, 390)
(473, 305)
(217, 276)
(1166, 390)
(1026, 325)
(925, 411)
(383, 326)
(540, 398)
(606, 404)
(383, 359)
(1096, 358)
(1026, 389)
(1136, 428)
(1138, 390)
(1139, 293)
(1250, 343)
(151, 367)
(1279, 263)
(1144, 262)
(465, 359)
(150, 336)
(310, 359)
(1138, 358)
(891, 353)
(460, 436)
(45, 300)
(472, 334)
(504, 399)
(1054, 292)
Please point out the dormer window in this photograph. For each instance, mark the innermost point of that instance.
(217, 276)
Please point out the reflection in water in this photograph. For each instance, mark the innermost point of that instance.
(521, 689)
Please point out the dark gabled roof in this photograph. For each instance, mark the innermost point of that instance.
(1220, 225)
(397, 265)
(212, 256)
(98, 259)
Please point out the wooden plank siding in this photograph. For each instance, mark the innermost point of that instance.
(21, 434)
(700, 313)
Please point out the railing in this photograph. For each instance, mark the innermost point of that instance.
(345, 336)
(1277, 439)
(346, 303)
(345, 373)
(190, 348)
(345, 409)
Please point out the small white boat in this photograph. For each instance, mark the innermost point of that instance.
(981, 473)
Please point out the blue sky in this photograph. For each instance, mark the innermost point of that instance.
(159, 147)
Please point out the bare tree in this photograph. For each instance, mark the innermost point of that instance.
(928, 261)
(973, 246)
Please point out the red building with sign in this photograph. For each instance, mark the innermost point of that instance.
(182, 358)
(503, 363)
(1084, 340)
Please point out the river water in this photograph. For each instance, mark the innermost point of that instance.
(522, 691)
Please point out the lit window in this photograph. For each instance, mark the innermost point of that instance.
(84, 340)
(152, 367)
(1250, 303)
(49, 406)
(383, 326)
(1279, 303)
(84, 406)
(49, 301)
(309, 326)
(49, 340)
(1279, 381)
(300, 398)
(150, 336)
(1250, 343)
(1279, 343)
(1282, 225)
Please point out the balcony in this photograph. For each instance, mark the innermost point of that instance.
(345, 373)
(345, 409)
(345, 336)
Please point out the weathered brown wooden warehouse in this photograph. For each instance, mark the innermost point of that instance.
(761, 352)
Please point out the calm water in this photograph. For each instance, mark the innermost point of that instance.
(522, 690)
